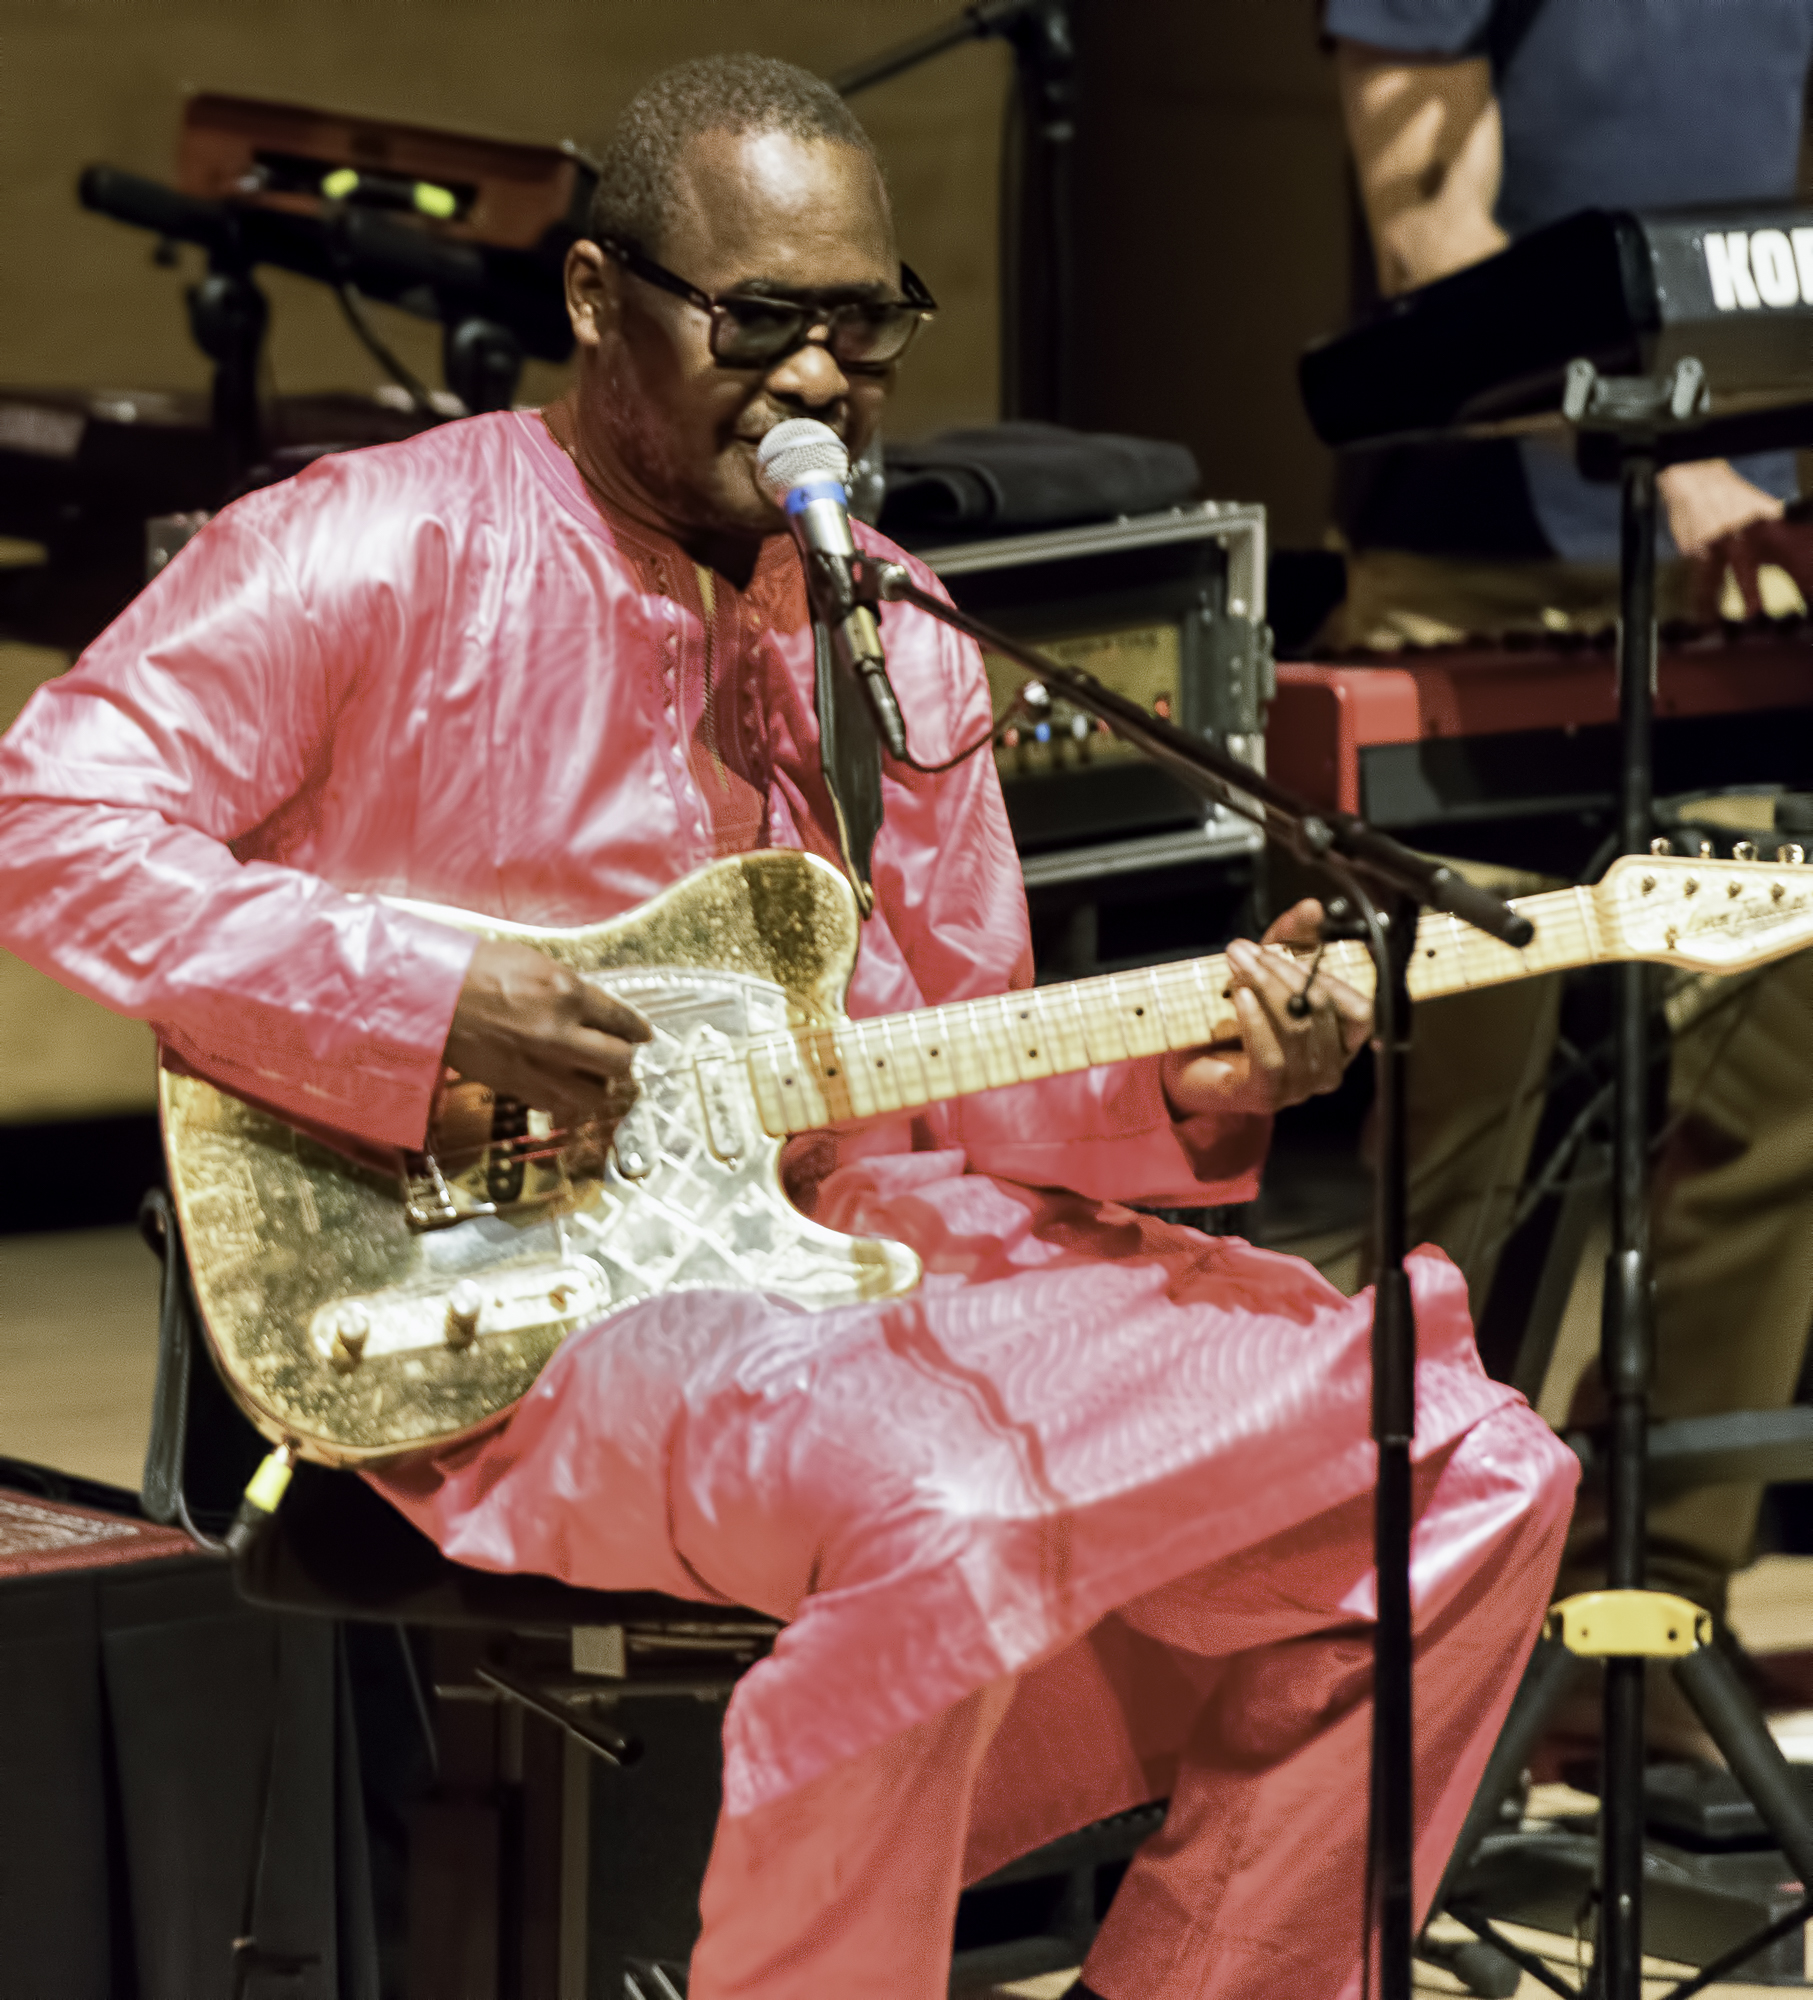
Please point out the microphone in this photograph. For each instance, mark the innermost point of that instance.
(803, 465)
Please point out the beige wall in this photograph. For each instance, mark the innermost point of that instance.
(103, 80)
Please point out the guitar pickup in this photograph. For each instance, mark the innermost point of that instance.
(723, 1093)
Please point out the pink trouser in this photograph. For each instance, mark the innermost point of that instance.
(1242, 1691)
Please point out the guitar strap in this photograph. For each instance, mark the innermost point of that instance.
(849, 753)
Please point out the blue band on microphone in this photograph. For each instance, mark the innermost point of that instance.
(803, 495)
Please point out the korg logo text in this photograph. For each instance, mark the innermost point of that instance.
(1770, 267)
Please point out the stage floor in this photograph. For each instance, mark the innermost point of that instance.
(78, 1351)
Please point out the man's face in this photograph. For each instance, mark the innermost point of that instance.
(758, 211)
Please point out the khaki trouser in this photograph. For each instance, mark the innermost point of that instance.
(1733, 1224)
(1397, 599)
(1733, 1214)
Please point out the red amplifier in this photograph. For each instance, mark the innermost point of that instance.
(1465, 747)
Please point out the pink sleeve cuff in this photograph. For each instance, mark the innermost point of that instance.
(1109, 1134)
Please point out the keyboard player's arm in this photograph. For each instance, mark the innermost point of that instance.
(1428, 152)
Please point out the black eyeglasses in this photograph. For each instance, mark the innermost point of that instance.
(753, 330)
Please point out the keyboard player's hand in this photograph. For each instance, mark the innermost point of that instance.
(1731, 579)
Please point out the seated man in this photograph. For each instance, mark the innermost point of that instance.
(1085, 1519)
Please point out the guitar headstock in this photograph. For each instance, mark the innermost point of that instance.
(1706, 915)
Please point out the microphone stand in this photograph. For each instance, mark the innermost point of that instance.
(1387, 885)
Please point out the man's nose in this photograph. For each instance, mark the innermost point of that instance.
(810, 376)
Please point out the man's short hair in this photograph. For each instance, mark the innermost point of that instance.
(742, 93)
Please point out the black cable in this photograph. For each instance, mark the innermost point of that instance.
(368, 337)
(995, 727)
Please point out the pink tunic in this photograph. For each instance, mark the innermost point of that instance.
(433, 670)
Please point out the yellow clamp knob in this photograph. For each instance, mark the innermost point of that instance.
(1629, 1624)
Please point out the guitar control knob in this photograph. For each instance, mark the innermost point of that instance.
(1744, 850)
(1660, 845)
(464, 1304)
(1793, 854)
(352, 1329)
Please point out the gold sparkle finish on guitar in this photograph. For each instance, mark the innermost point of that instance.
(329, 1310)
(359, 1311)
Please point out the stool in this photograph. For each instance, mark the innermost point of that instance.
(530, 1681)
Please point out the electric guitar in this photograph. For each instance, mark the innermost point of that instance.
(361, 1306)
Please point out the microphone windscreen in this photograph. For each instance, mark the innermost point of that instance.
(799, 450)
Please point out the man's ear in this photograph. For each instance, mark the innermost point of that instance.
(592, 289)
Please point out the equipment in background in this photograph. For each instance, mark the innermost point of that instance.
(1508, 752)
(468, 231)
(1013, 478)
(1168, 609)
(1719, 305)
(82, 471)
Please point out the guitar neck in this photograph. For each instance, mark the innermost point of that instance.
(898, 1062)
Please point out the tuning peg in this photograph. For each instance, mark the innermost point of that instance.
(1743, 850)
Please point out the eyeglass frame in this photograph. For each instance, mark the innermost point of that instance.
(718, 310)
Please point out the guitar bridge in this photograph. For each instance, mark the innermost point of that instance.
(489, 1155)
(429, 1198)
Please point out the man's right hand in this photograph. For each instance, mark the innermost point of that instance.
(536, 1031)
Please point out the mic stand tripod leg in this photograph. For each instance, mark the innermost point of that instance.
(1722, 1702)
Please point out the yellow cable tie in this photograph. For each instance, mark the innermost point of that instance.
(342, 182)
(439, 202)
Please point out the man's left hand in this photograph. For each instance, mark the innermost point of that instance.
(1284, 1057)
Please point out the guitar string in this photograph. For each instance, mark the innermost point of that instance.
(986, 1025)
(1569, 935)
(979, 1042)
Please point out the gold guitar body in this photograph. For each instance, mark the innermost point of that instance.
(359, 1312)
